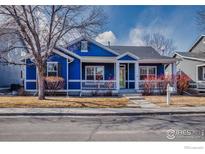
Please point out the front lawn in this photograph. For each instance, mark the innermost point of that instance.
(177, 101)
(61, 102)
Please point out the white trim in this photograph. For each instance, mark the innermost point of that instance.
(200, 65)
(52, 62)
(81, 74)
(62, 90)
(129, 54)
(197, 67)
(94, 42)
(165, 61)
(203, 73)
(74, 80)
(63, 55)
(117, 75)
(69, 52)
(114, 71)
(136, 77)
(30, 80)
(198, 59)
(87, 66)
(67, 70)
(124, 67)
(126, 61)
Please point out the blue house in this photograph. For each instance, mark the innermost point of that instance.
(87, 65)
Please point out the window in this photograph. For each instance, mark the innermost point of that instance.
(146, 71)
(84, 46)
(52, 68)
(203, 73)
(94, 72)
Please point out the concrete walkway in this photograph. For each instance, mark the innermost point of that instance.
(139, 100)
(99, 111)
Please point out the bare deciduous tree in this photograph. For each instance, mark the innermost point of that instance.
(42, 28)
(159, 42)
(200, 19)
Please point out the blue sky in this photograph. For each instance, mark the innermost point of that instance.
(126, 24)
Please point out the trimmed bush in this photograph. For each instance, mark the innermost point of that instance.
(53, 83)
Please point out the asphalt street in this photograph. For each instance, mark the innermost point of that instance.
(103, 128)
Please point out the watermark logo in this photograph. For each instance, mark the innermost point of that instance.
(171, 134)
(185, 133)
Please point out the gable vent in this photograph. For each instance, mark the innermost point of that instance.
(84, 46)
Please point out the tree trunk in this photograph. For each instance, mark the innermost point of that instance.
(41, 84)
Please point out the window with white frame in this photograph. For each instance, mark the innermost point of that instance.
(148, 71)
(52, 68)
(94, 72)
(84, 46)
(203, 73)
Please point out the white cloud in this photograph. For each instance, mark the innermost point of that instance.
(135, 36)
(105, 37)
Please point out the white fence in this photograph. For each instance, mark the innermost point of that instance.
(154, 84)
(197, 85)
(98, 84)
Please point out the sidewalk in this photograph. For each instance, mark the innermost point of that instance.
(99, 111)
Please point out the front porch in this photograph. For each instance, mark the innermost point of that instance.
(109, 76)
(120, 76)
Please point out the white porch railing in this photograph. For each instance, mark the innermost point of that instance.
(197, 85)
(154, 84)
(200, 84)
(98, 84)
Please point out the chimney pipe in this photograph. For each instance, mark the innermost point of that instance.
(108, 43)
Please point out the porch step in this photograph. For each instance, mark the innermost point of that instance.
(132, 94)
(135, 98)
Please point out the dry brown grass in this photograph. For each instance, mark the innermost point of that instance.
(61, 102)
(178, 101)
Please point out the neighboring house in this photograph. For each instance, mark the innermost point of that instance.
(87, 65)
(9, 73)
(192, 64)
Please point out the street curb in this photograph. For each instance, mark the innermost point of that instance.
(102, 114)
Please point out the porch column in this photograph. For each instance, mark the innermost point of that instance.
(174, 73)
(136, 75)
(117, 75)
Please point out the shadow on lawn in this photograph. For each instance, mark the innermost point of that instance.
(87, 104)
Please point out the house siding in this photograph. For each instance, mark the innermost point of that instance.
(11, 74)
(200, 47)
(74, 74)
(188, 67)
(30, 75)
(93, 50)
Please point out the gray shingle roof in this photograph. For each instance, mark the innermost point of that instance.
(143, 52)
(192, 55)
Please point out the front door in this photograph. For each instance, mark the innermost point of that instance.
(122, 76)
